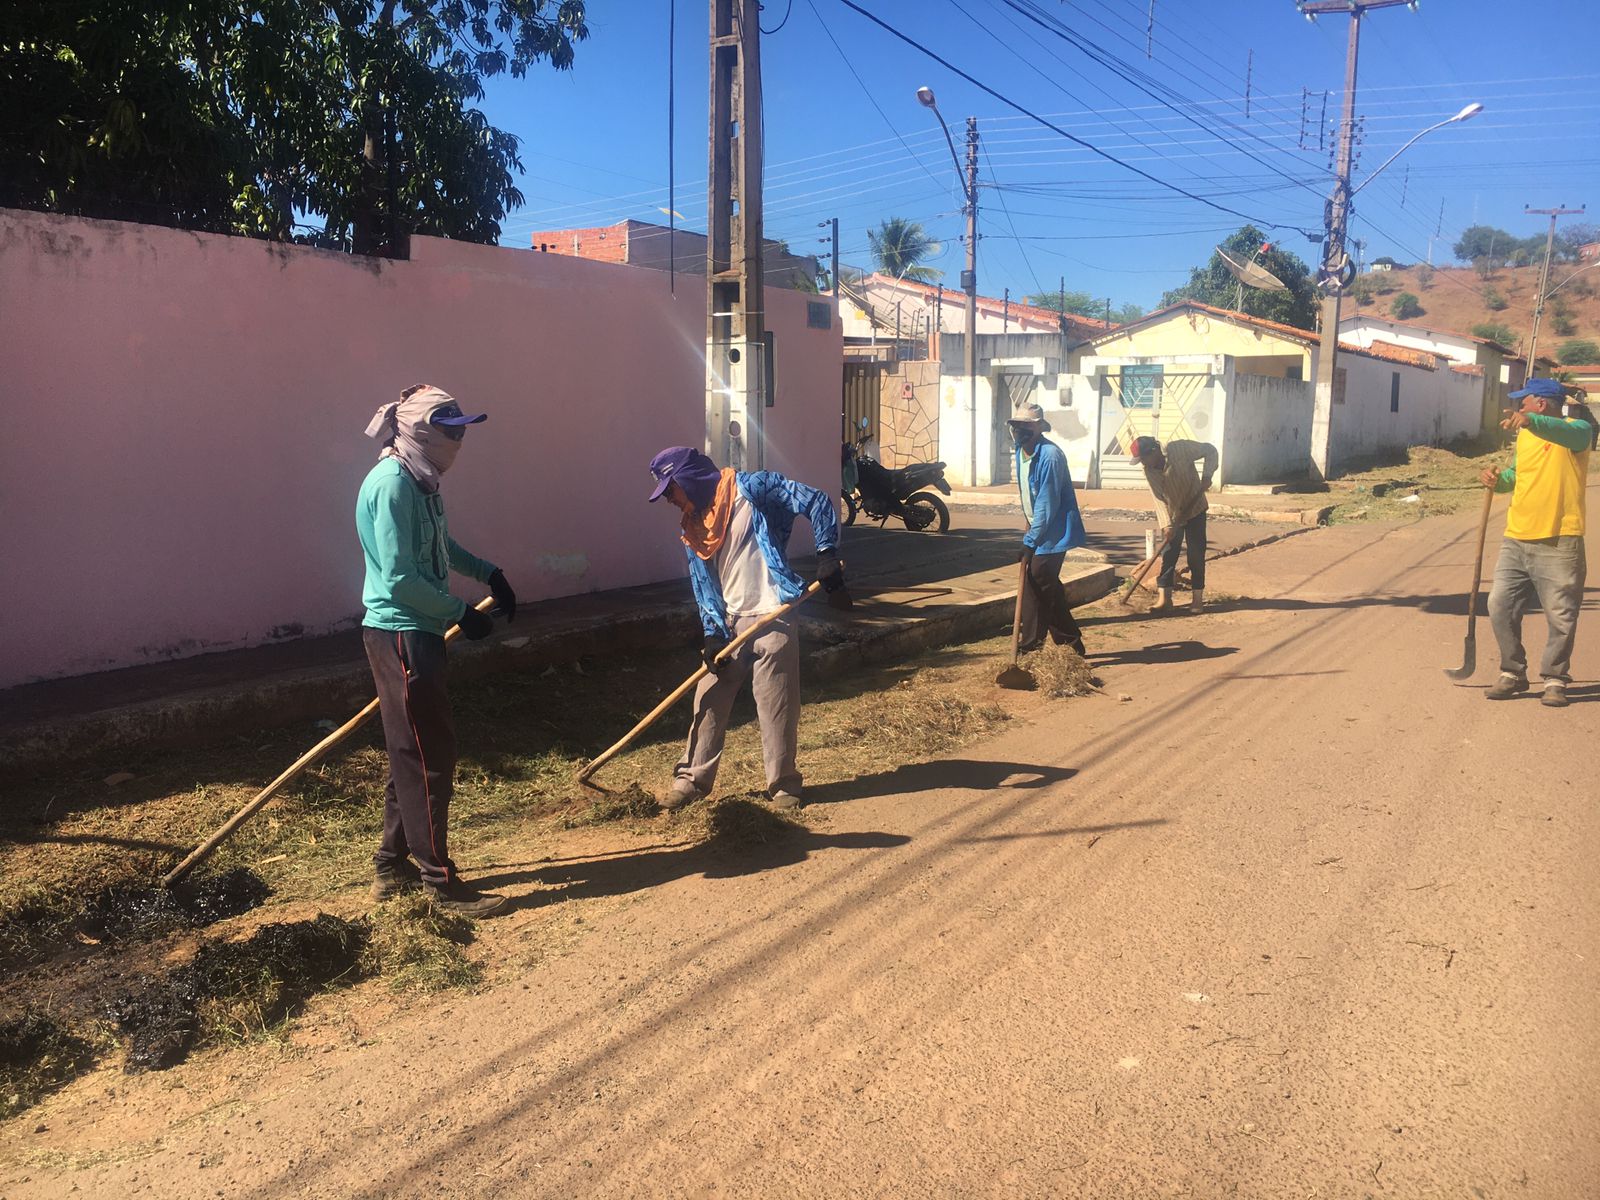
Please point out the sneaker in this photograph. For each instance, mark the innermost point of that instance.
(465, 901)
(1555, 694)
(389, 882)
(680, 793)
(1506, 687)
(786, 800)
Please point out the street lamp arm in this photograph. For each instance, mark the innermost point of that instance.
(1466, 113)
(954, 157)
(1570, 278)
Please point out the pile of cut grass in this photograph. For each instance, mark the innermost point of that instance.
(1061, 672)
(418, 948)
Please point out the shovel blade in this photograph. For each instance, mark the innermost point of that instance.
(1469, 660)
(1016, 679)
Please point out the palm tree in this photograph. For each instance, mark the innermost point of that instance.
(900, 246)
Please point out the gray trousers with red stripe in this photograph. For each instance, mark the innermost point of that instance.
(408, 668)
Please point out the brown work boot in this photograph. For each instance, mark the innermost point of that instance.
(1197, 600)
(681, 792)
(465, 901)
(1555, 694)
(1163, 604)
(1506, 687)
(786, 800)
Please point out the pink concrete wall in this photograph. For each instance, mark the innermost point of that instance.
(185, 476)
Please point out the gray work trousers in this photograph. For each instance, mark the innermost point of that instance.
(1550, 571)
(772, 663)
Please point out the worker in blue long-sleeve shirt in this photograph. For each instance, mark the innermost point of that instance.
(1050, 507)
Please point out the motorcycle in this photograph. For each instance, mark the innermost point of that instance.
(881, 493)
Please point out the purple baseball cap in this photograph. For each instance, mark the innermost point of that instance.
(667, 464)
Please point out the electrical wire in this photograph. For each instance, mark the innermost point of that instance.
(1010, 103)
(789, 8)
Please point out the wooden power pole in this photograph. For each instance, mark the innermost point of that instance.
(738, 354)
(1336, 274)
(1544, 277)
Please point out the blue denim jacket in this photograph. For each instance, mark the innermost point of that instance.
(774, 504)
(1057, 526)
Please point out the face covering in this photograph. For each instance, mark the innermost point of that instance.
(403, 428)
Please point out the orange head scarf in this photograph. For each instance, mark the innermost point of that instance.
(704, 530)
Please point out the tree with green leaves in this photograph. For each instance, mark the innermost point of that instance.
(1494, 332)
(1579, 350)
(1484, 242)
(1082, 304)
(900, 247)
(237, 115)
(1214, 284)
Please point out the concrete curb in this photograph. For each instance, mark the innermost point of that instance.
(1287, 516)
(339, 689)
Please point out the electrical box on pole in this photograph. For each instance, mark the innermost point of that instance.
(738, 352)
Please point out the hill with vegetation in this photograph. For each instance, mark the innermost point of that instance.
(1492, 302)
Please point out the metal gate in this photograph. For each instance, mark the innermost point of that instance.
(1147, 401)
(863, 386)
(1012, 389)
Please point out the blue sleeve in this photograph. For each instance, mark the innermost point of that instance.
(707, 598)
(770, 490)
(1044, 499)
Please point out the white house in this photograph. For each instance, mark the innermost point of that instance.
(1503, 369)
(881, 309)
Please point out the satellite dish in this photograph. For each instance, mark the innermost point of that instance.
(1251, 274)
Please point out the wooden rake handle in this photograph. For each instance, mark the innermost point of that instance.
(1137, 578)
(683, 688)
(259, 800)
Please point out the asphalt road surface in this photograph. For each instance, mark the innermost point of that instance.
(1299, 919)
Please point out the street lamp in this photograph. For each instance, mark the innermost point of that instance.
(1337, 271)
(1466, 114)
(969, 277)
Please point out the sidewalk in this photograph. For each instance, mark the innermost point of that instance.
(911, 590)
(1245, 503)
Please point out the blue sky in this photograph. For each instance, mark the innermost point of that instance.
(846, 137)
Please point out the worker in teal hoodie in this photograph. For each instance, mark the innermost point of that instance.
(409, 554)
(1050, 506)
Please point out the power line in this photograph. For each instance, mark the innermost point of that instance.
(1010, 103)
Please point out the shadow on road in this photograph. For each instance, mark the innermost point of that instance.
(1109, 827)
(944, 774)
(618, 875)
(1159, 653)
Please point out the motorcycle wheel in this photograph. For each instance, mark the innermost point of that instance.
(925, 511)
(847, 509)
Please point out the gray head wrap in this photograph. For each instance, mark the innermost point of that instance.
(404, 429)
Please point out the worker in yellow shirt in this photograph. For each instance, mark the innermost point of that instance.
(1541, 558)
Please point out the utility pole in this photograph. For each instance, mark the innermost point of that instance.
(969, 284)
(1544, 276)
(833, 273)
(736, 347)
(1005, 312)
(1438, 232)
(1336, 274)
(1063, 303)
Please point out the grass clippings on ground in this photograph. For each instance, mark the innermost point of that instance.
(417, 947)
(1431, 480)
(236, 991)
(37, 1055)
(1061, 672)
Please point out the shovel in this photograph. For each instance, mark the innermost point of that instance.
(1469, 652)
(1014, 677)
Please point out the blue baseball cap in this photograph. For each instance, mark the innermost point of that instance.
(451, 414)
(1550, 389)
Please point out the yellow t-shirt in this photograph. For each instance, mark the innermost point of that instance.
(1548, 498)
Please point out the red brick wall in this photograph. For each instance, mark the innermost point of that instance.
(602, 243)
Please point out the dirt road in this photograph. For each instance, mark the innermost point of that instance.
(1299, 919)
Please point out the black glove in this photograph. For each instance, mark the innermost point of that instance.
(505, 599)
(830, 573)
(1026, 557)
(714, 645)
(475, 624)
